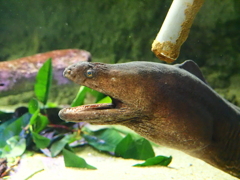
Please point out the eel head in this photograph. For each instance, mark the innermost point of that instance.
(127, 85)
(146, 97)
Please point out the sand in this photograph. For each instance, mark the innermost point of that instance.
(183, 167)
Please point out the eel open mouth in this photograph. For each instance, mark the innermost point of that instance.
(121, 109)
(109, 113)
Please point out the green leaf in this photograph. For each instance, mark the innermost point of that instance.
(79, 100)
(104, 139)
(144, 149)
(158, 160)
(34, 117)
(38, 122)
(57, 146)
(14, 128)
(15, 146)
(43, 81)
(135, 149)
(41, 123)
(97, 95)
(52, 105)
(6, 123)
(107, 99)
(40, 141)
(123, 146)
(33, 106)
(72, 160)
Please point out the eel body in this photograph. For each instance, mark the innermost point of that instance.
(18, 75)
(171, 105)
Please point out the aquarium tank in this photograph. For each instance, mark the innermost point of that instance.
(121, 30)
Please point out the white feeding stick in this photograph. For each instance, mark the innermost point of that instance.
(175, 29)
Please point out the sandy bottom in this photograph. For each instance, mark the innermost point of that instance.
(183, 167)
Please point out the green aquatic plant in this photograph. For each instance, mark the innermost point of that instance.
(43, 82)
(35, 130)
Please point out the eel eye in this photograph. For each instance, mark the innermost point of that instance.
(89, 73)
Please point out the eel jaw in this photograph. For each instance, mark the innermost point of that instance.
(106, 113)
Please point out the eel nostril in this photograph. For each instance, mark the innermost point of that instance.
(69, 71)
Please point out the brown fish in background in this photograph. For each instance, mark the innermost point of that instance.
(18, 76)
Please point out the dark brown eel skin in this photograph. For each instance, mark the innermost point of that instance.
(171, 105)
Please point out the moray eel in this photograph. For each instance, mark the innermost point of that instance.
(171, 105)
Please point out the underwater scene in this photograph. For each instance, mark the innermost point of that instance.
(40, 39)
(116, 31)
